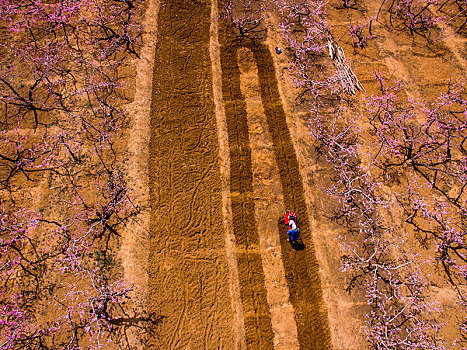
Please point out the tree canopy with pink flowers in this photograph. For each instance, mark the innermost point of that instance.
(62, 89)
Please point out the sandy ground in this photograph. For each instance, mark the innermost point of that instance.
(425, 67)
(267, 298)
(134, 249)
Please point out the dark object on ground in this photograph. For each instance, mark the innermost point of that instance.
(291, 219)
(278, 50)
(297, 245)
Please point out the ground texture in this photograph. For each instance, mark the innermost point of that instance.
(229, 152)
(188, 272)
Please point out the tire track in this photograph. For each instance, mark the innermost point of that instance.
(267, 192)
(187, 255)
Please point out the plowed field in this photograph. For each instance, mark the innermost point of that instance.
(229, 152)
(189, 271)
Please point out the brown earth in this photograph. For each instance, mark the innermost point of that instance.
(425, 64)
(229, 151)
(187, 263)
(184, 175)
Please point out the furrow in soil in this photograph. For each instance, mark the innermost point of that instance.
(267, 193)
(301, 266)
(257, 318)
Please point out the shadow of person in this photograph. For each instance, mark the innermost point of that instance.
(297, 244)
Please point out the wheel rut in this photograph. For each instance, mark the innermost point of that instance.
(301, 267)
(257, 318)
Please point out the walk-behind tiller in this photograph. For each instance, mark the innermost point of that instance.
(290, 215)
(293, 233)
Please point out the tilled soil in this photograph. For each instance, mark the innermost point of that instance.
(188, 269)
(301, 266)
